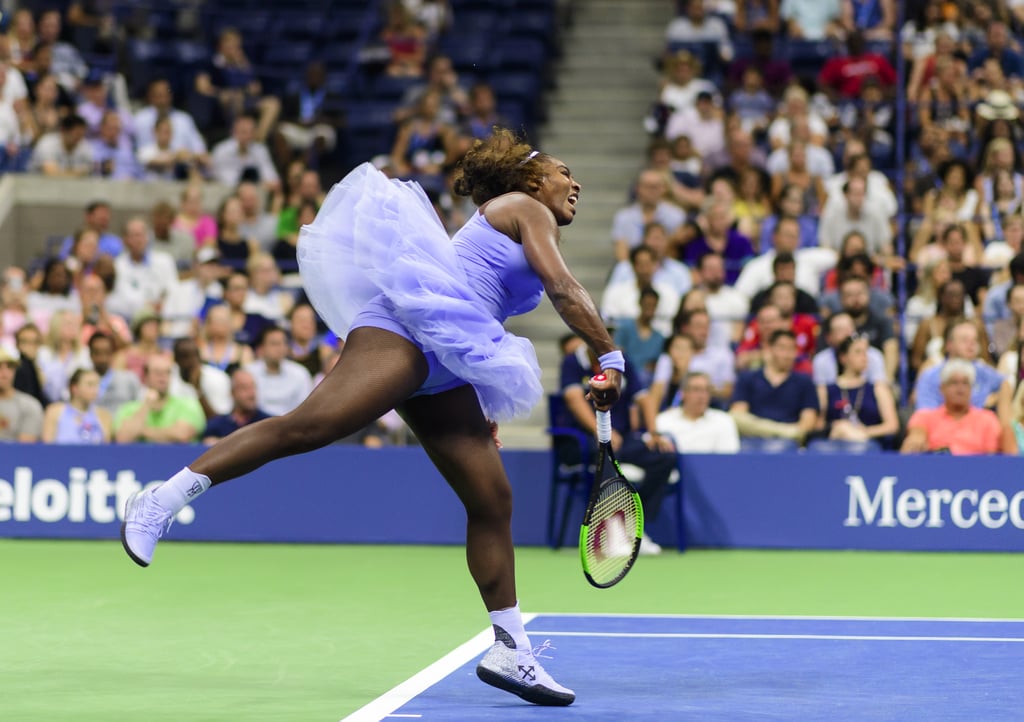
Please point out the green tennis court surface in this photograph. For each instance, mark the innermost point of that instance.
(217, 632)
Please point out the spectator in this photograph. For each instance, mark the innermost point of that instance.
(65, 153)
(243, 157)
(790, 202)
(929, 343)
(441, 76)
(482, 115)
(48, 105)
(922, 305)
(999, 46)
(66, 63)
(739, 156)
(857, 162)
(232, 81)
(146, 332)
(1005, 332)
(696, 27)
(55, 292)
(621, 299)
(784, 271)
(751, 102)
(854, 259)
(167, 158)
(265, 297)
(725, 305)
(307, 190)
(97, 218)
(95, 103)
(184, 133)
(713, 232)
(852, 407)
(21, 416)
(790, 168)
(668, 271)
(79, 420)
(112, 151)
(281, 384)
(116, 386)
(96, 316)
(796, 105)
(855, 215)
(14, 291)
(782, 295)
(159, 417)
(218, 346)
(424, 144)
(28, 378)
(838, 328)
(309, 122)
(703, 123)
(406, 40)
(995, 306)
(776, 69)
(811, 263)
(178, 244)
(989, 388)
(854, 299)
(768, 320)
(650, 452)
(843, 75)
(244, 410)
(144, 275)
(307, 347)
(650, 206)
(875, 18)
(775, 401)
(189, 299)
(194, 379)
(62, 354)
(234, 249)
(257, 223)
(192, 219)
(639, 340)
(695, 427)
(22, 38)
(812, 20)
(956, 424)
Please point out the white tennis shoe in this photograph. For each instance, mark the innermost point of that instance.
(518, 671)
(145, 521)
(649, 547)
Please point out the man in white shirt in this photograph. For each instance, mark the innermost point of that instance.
(727, 307)
(811, 263)
(857, 162)
(281, 384)
(256, 223)
(144, 275)
(64, 153)
(194, 379)
(184, 132)
(622, 299)
(696, 27)
(650, 206)
(851, 213)
(693, 426)
(668, 271)
(242, 157)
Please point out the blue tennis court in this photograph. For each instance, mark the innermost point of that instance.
(728, 668)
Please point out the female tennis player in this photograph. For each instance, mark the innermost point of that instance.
(423, 316)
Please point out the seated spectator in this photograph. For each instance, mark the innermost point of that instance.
(775, 401)
(232, 81)
(168, 158)
(810, 20)
(753, 202)
(62, 354)
(184, 133)
(217, 339)
(406, 40)
(188, 301)
(194, 379)
(955, 202)
(22, 38)
(796, 109)
(669, 371)
(857, 163)
(792, 204)
(838, 328)
(651, 206)
(854, 260)
(930, 277)
(668, 271)
(28, 378)
(144, 275)
(638, 339)
(308, 189)
(990, 389)
(257, 223)
(64, 153)
(146, 332)
(995, 306)
(244, 410)
(1003, 210)
(693, 426)
(281, 384)
(266, 297)
(852, 408)
(54, 292)
(1005, 332)
(681, 82)
(178, 244)
(85, 252)
(441, 76)
(754, 106)
(424, 145)
(66, 62)
(92, 290)
(285, 250)
(191, 218)
(21, 416)
(159, 417)
(308, 125)
(855, 215)
(784, 271)
(811, 263)
(713, 232)
(112, 150)
(695, 26)
(650, 452)
(763, 17)
(621, 299)
(855, 299)
(233, 248)
(929, 343)
(999, 45)
(116, 386)
(957, 425)
(726, 306)
(703, 123)
(243, 157)
(875, 18)
(782, 295)
(842, 76)
(96, 218)
(307, 347)
(794, 171)
(79, 420)
(482, 115)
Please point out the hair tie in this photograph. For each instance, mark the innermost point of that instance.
(533, 154)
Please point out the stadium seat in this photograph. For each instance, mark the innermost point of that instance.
(750, 445)
(300, 25)
(471, 54)
(386, 88)
(521, 52)
(293, 54)
(835, 446)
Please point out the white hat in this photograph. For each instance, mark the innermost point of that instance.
(998, 105)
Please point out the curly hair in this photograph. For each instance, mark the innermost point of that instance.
(497, 165)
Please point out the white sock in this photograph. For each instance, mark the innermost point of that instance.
(181, 489)
(511, 621)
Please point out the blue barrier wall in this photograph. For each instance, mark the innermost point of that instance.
(349, 494)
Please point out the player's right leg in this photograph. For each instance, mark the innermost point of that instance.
(377, 370)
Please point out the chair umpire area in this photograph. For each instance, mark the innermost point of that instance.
(573, 466)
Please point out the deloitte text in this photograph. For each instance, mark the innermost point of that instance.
(86, 496)
(912, 508)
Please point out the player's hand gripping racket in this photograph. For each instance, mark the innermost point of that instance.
(614, 521)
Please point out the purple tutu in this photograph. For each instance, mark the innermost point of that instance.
(375, 236)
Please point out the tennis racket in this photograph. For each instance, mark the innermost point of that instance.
(614, 521)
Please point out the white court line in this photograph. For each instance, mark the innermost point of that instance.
(383, 706)
(850, 637)
(781, 617)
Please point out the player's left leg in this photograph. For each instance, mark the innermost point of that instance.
(457, 437)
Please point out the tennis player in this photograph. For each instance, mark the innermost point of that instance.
(423, 316)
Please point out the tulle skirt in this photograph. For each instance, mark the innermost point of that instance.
(378, 239)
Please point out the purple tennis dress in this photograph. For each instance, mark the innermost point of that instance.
(377, 255)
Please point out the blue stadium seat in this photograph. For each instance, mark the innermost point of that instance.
(469, 54)
(301, 25)
(369, 115)
(537, 23)
(750, 445)
(469, 24)
(288, 53)
(337, 55)
(386, 88)
(834, 446)
(346, 24)
(521, 52)
(516, 85)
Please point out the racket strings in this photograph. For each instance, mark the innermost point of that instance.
(613, 533)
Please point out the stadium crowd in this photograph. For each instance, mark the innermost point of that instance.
(787, 272)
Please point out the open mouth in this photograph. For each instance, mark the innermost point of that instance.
(574, 199)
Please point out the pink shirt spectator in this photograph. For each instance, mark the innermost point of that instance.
(977, 432)
(204, 230)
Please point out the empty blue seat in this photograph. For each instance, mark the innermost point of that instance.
(768, 446)
(387, 88)
(515, 85)
(305, 25)
(468, 54)
(835, 446)
(367, 115)
(288, 53)
(521, 53)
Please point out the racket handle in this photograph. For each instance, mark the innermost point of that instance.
(604, 426)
